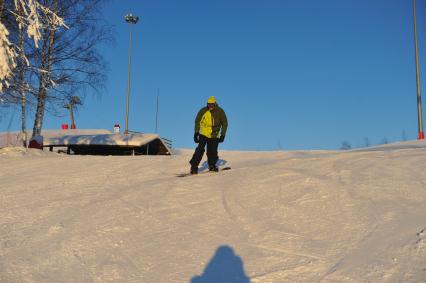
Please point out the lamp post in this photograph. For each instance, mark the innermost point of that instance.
(132, 20)
(421, 135)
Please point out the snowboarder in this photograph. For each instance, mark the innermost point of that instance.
(210, 129)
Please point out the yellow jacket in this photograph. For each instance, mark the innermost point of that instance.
(211, 124)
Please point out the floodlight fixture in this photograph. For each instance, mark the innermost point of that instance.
(131, 19)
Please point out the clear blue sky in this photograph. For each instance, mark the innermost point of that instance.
(295, 74)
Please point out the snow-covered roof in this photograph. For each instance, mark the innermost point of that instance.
(105, 139)
(134, 140)
(88, 137)
(13, 138)
(73, 132)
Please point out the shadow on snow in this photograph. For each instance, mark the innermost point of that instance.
(205, 165)
(224, 267)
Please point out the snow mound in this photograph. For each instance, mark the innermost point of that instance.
(27, 152)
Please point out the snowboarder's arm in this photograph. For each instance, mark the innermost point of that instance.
(224, 123)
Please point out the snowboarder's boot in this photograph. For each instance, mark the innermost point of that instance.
(194, 170)
(213, 168)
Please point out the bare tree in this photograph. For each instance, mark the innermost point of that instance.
(48, 39)
(69, 61)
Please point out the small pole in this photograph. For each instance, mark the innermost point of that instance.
(156, 114)
(72, 116)
(421, 135)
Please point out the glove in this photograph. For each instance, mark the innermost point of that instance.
(196, 137)
(222, 138)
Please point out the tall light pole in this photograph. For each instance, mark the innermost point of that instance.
(421, 135)
(132, 20)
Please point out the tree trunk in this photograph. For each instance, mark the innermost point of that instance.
(44, 82)
(22, 91)
(22, 82)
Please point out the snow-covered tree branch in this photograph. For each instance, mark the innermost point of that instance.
(7, 57)
(30, 18)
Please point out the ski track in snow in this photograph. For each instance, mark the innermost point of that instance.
(302, 216)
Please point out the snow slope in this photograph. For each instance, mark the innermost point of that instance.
(302, 216)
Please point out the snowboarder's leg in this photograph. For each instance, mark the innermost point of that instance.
(212, 155)
(199, 152)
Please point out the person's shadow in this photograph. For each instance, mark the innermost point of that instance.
(224, 267)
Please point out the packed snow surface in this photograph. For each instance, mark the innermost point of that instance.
(300, 216)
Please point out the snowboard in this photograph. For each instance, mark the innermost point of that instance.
(181, 175)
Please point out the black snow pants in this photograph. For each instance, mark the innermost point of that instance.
(212, 155)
